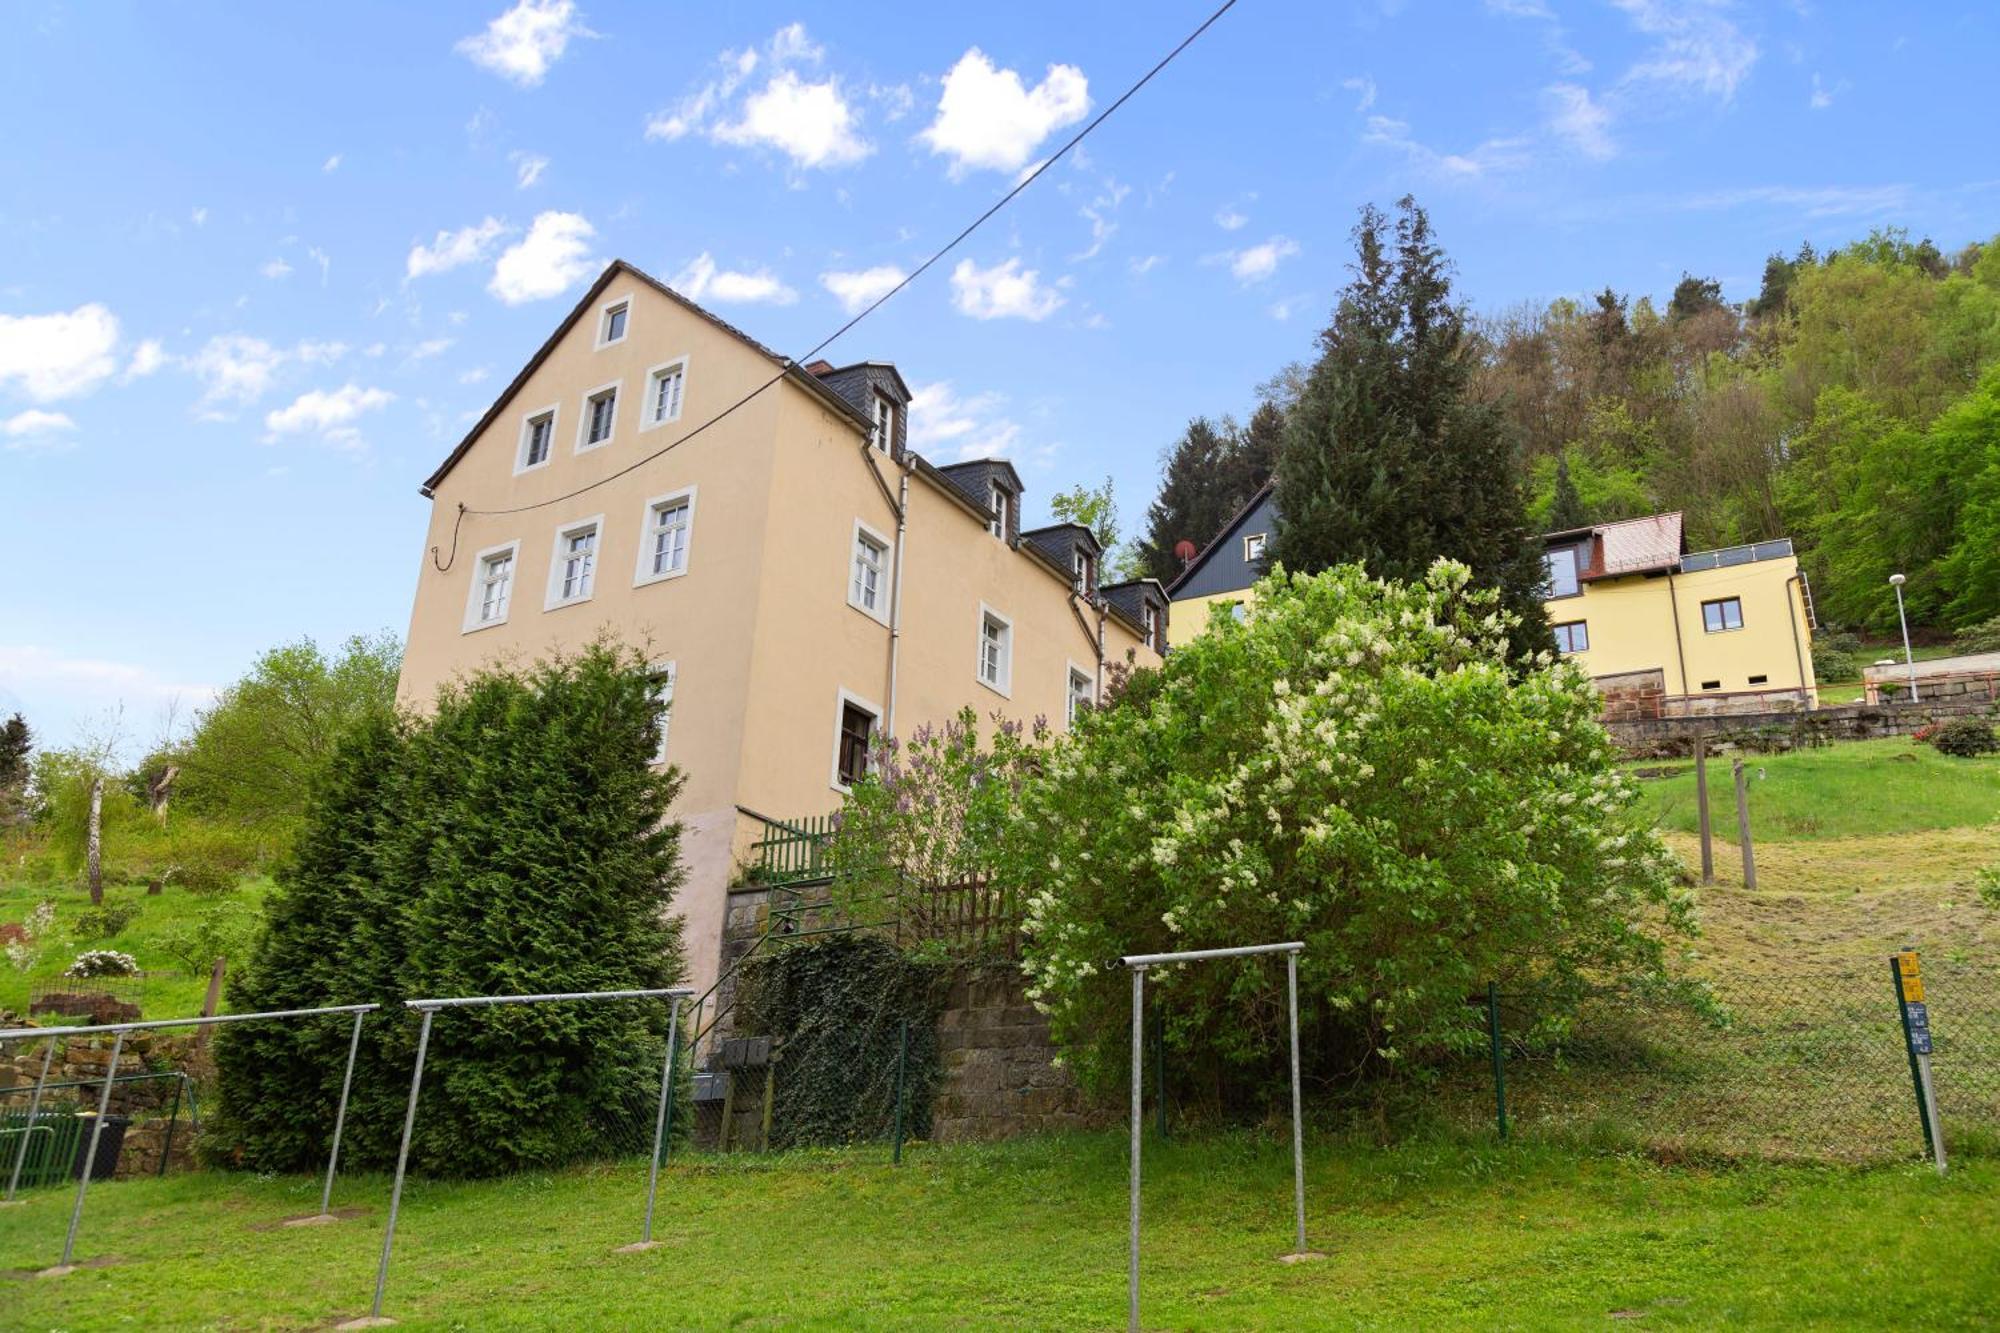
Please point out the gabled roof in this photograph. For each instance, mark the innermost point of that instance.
(826, 370)
(1058, 538)
(612, 271)
(1630, 546)
(1235, 522)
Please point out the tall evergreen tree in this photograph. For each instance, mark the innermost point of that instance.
(1387, 459)
(15, 743)
(1206, 477)
(1565, 505)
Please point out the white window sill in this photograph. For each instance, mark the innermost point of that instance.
(560, 603)
(645, 426)
(1004, 691)
(879, 617)
(645, 580)
(479, 625)
(534, 467)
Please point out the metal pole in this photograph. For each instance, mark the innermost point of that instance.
(1909, 658)
(1160, 1075)
(173, 1118)
(1499, 1066)
(340, 1117)
(1743, 827)
(90, 1156)
(1701, 806)
(34, 1110)
(402, 1162)
(1298, 1134)
(660, 1120)
(902, 1061)
(1138, 1078)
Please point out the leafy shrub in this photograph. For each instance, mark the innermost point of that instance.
(1966, 737)
(221, 930)
(1983, 637)
(1836, 657)
(103, 963)
(1356, 765)
(102, 923)
(515, 841)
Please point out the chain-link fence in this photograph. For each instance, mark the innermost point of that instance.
(1788, 1066)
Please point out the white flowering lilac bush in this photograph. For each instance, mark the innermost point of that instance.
(1355, 764)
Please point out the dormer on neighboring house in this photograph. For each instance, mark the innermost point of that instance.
(1144, 603)
(1074, 548)
(876, 390)
(995, 486)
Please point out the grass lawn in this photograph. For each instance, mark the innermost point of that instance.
(166, 996)
(1031, 1235)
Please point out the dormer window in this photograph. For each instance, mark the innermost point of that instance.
(1151, 619)
(611, 325)
(999, 499)
(1086, 571)
(884, 437)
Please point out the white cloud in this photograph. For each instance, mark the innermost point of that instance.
(1498, 154)
(58, 355)
(1363, 89)
(701, 280)
(1580, 121)
(36, 429)
(692, 112)
(1258, 262)
(1697, 49)
(553, 257)
(1141, 265)
(199, 216)
(987, 118)
(236, 368)
(147, 357)
(528, 169)
(451, 249)
(858, 290)
(332, 164)
(1285, 308)
(809, 122)
(1229, 219)
(1098, 212)
(317, 353)
(1004, 291)
(331, 415)
(524, 42)
(275, 268)
(56, 684)
(1813, 201)
(429, 348)
(475, 375)
(1822, 96)
(954, 429)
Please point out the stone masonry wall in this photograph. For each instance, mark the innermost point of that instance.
(1673, 737)
(1000, 1076)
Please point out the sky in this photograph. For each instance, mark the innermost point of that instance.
(261, 269)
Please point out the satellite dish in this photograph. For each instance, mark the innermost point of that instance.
(1185, 550)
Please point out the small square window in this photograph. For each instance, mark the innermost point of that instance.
(669, 534)
(1253, 547)
(1573, 637)
(600, 417)
(613, 327)
(538, 434)
(573, 571)
(868, 587)
(1722, 614)
(664, 387)
(996, 650)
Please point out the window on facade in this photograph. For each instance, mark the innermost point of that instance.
(614, 323)
(1560, 566)
(1760, 680)
(885, 423)
(1711, 685)
(576, 563)
(1086, 572)
(536, 437)
(600, 415)
(1150, 615)
(998, 498)
(996, 646)
(870, 556)
(1253, 547)
(496, 586)
(668, 525)
(1725, 613)
(856, 725)
(1082, 693)
(663, 701)
(663, 393)
(1573, 637)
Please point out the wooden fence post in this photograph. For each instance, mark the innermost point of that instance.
(211, 1003)
(1701, 800)
(1743, 827)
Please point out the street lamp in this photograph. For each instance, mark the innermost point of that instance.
(1909, 660)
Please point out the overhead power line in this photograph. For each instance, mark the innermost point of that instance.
(872, 306)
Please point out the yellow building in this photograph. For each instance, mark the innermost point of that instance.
(1661, 630)
(804, 581)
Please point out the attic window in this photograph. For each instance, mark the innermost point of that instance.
(999, 499)
(884, 437)
(1086, 571)
(611, 329)
(1253, 547)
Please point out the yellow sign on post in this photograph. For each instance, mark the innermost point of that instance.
(1910, 970)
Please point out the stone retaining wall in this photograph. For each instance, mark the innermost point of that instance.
(1000, 1076)
(1673, 737)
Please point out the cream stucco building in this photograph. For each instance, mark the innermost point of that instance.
(803, 580)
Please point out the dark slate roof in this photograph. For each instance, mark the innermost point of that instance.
(974, 479)
(1129, 600)
(789, 369)
(1060, 541)
(1220, 566)
(858, 383)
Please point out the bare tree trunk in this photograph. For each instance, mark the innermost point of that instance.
(95, 848)
(212, 1002)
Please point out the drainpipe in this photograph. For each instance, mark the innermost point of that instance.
(896, 592)
(1680, 653)
(1809, 697)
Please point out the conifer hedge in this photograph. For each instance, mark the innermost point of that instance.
(513, 841)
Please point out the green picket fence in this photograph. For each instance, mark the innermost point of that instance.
(52, 1147)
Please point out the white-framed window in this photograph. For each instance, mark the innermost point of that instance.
(664, 675)
(667, 539)
(1082, 691)
(665, 385)
(573, 567)
(998, 498)
(1253, 547)
(996, 650)
(884, 437)
(492, 592)
(600, 417)
(538, 439)
(855, 720)
(613, 321)
(1085, 567)
(1150, 618)
(868, 573)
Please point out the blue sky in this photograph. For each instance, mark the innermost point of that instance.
(256, 277)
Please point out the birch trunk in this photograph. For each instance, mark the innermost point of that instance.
(95, 848)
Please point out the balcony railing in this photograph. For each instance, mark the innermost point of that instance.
(1726, 556)
(789, 850)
